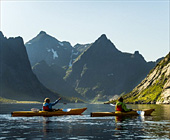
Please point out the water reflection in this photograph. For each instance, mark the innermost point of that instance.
(85, 127)
(129, 127)
(46, 121)
(119, 122)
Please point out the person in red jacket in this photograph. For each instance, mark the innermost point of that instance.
(47, 106)
(120, 106)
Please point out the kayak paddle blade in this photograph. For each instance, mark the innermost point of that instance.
(142, 113)
(112, 104)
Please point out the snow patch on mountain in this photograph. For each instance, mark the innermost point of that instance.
(55, 55)
(71, 58)
(70, 63)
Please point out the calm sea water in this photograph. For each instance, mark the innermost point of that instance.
(84, 127)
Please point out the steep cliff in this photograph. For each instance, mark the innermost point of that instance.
(17, 80)
(155, 88)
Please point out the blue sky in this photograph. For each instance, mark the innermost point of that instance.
(131, 25)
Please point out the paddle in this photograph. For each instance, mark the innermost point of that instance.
(112, 104)
(37, 110)
(140, 112)
(64, 110)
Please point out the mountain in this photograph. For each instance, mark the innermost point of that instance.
(52, 78)
(17, 80)
(81, 47)
(77, 50)
(103, 71)
(155, 88)
(95, 71)
(50, 59)
(46, 48)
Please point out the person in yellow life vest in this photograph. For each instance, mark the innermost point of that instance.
(120, 106)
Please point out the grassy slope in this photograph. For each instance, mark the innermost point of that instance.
(151, 93)
(4, 100)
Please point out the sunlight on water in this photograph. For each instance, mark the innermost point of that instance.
(84, 127)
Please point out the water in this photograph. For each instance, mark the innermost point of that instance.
(84, 127)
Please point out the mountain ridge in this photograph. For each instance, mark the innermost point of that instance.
(95, 69)
(17, 79)
(155, 88)
(92, 69)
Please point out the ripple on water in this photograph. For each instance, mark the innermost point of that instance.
(82, 128)
(5, 132)
(3, 138)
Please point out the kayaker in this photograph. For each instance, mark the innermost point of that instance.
(47, 106)
(121, 106)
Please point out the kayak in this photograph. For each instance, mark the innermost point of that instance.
(60, 112)
(145, 112)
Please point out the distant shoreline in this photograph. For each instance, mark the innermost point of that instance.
(9, 101)
(22, 102)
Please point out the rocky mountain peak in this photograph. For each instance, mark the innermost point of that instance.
(104, 44)
(102, 39)
(42, 32)
(1, 35)
(138, 56)
(48, 48)
(43, 35)
(103, 36)
(136, 52)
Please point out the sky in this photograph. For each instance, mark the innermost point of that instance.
(131, 25)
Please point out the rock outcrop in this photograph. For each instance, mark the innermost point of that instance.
(155, 88)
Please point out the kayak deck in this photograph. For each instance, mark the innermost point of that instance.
(76, 111)
(145, 112)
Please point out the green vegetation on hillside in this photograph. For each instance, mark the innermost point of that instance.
(82, 91)
(4, 100)
(68, 72)
(150, 90)
(9, 101)
(149, 95)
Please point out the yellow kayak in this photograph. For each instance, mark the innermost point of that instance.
(76, 111)
(145, 112)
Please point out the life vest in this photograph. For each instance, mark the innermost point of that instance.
(45, 107)
(119, 107)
